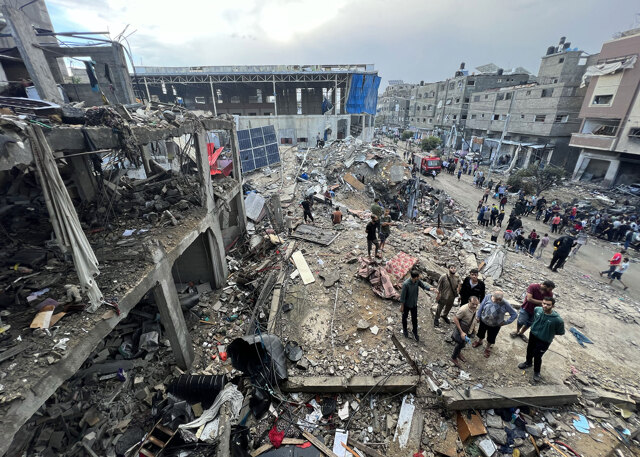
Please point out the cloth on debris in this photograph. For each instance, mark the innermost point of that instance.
(91, 73)
(494, 264)
(229, 394)
(276, 436)
(378, 277)
(399, 265)
(64, 217)
(580, 337)
(608, 68)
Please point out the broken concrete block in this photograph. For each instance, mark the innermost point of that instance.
(494, 421)
(498, 435)
(363, 324)
(533, 430)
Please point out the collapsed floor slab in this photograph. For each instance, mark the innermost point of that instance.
(339, 384)
(547, 395)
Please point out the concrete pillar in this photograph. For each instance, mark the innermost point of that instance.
(238, 201)
(145, 153)
(581, 166)
(33, 56)
(204, 171)
(83, 177)
(166, 297)
(218, 256)
(527, 158)
(612, 172)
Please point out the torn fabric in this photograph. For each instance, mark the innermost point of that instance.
(229, 394)
(608, 68)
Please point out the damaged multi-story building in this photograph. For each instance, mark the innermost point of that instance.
(303, 102)
(533, 120)
(393, 105)
(608, 134)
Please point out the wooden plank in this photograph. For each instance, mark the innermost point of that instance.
(364, 448)
(317, 443)
(303, 268)
(548, 395)
(339, 384)
(353, 181)
(286, 441)
(275, 302)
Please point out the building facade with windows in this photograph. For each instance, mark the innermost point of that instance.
(393, 105)
(533, 121)
(609, 134)
(437, 107)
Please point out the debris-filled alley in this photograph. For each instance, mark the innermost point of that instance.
(156, 301)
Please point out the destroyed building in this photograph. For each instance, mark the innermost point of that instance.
(303, 102)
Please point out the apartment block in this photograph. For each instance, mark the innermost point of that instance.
(609, 134)
(534, 120)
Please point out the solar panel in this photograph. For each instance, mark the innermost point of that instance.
(258, 147)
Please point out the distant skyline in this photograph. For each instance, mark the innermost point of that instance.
(411, 40)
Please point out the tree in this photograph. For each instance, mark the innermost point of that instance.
(407, 134)
(539, 179)
(430, 143)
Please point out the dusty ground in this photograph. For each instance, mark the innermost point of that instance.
(606, 314)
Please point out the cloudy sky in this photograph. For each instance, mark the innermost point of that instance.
(411, 40)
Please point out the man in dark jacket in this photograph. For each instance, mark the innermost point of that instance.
(471, 286)
(409, 300)
(562, 247)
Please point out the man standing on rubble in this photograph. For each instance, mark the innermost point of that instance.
(465, 324)
(448, 289)
(491, 317)
(376, 208)
(306, 209)
(546, 325)
(385, 227)
(336, 216)
(535, 294)
(372, 235)
(409, 300)
(471, 286)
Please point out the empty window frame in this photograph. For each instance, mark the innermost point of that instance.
(540, 117)
(602, 100)
(562, 118)
(200, 100)
(476, 98)
(546, 93)
(471, 82)
(500, 97)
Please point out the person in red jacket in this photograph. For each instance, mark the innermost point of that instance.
(613, 263)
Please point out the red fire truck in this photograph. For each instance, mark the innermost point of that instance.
(427, 163)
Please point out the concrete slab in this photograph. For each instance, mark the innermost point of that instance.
(544, 395)
(324, 384)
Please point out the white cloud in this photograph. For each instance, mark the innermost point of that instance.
(407, 39)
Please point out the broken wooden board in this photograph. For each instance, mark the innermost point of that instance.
(303, 268)
(317, 443)
(470, 426)
(338, 384)
(547, 395)
(364, 448)
(285, 442)
(353, 181)
(315, 234)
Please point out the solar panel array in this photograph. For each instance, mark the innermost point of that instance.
(258, 147)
